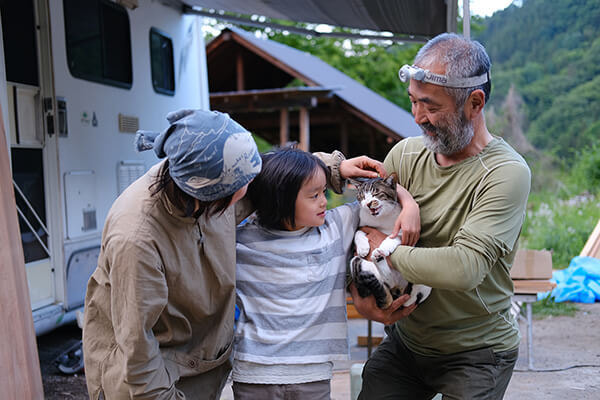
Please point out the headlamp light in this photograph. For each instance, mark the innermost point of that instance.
(408, 72)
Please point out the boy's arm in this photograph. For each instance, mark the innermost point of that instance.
(340, 168)
(409, 219)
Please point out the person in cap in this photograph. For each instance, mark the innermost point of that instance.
(472, 190)
(159, 308)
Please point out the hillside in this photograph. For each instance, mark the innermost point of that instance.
(549, 52)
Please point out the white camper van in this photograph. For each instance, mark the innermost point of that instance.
(78, 78)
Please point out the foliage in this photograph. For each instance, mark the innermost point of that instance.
(262, 144)
(561, 216)
(553, 65)
(586, 172)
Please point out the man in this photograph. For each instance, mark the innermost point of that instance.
(472, 190)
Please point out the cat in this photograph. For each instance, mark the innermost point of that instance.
(379, 208)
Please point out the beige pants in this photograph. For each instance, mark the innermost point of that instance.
(320, 390)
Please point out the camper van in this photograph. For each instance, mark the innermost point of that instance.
(78, 79)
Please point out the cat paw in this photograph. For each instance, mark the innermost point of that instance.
(362, 251)
(378, 255)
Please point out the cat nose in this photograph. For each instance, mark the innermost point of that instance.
(373, 204)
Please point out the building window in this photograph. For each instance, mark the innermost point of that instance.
(161, 61)
(98, 42)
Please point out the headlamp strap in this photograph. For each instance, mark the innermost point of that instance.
(408, 72)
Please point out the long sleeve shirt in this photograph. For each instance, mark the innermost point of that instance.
(292, 299)
(471, 218)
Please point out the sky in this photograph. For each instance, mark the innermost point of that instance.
(484, 8)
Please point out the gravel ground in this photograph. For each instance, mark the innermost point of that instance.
(558, 343)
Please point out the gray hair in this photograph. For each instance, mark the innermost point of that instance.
(462, 58)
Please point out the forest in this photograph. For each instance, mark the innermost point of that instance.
(545, 102)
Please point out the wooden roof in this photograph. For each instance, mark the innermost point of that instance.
(249, 78)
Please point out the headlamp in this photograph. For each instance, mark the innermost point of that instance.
(408, 72)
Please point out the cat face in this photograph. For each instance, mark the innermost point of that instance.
(377, 194)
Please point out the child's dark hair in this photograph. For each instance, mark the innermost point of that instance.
(274, 190)
(184, 201)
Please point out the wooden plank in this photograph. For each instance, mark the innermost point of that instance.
(304, 129)
(592, 246)
(284, 127)
(20, 376)
(363, 341)
(352, 312)
(532, 264)
(532, 286)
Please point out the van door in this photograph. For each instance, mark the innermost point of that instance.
(32, 137)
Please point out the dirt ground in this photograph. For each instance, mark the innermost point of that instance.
(558, 343)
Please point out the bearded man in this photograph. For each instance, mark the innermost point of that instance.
(472, 190)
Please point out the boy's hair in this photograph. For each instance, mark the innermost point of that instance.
(274, 190)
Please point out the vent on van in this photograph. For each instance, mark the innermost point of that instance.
(128, 123)
(89, 220)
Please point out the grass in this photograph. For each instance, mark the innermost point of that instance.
(549, 308)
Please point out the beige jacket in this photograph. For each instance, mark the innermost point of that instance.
(159, 308)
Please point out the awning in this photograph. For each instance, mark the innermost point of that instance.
(407, 20)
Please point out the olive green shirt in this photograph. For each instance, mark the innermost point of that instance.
(471, 218)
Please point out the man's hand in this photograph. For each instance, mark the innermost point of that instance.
(374, 236)
(368, 308)
(361, 167)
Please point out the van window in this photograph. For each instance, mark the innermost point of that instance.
(161, 61)
(98, 41)
(20, 45)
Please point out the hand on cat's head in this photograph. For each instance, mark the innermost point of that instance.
(361, 167)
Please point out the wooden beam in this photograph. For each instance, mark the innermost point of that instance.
(592, 246)
(284, 126)
(20, 376)
(239, 72)
(304, 122)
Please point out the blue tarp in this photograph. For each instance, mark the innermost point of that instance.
(579, 282)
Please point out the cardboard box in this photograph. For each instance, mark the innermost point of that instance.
(532, 264)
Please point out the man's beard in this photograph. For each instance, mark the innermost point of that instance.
(451, 135)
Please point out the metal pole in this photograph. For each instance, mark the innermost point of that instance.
(466, 20)
(529, 336)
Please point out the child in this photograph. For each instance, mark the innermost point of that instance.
(291, 275)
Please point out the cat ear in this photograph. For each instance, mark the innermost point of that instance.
(392, 179)
(354, 182)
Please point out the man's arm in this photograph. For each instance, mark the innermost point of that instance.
(489, 233)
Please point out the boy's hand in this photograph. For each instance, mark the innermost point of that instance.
(362, 167)
(408, 221)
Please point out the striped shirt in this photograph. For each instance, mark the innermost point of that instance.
(291, 293)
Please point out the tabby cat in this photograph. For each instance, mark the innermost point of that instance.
(379, 209)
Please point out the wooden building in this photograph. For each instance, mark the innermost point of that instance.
(252, 79)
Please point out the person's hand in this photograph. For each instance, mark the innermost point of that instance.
(375, 238)
(362, 167)
(367, 307)
(409, 219)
